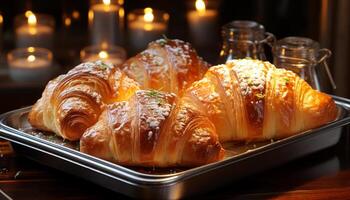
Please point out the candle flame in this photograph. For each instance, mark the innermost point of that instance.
(31, 58)
(166, 16)
(1, 19)
(32, 19)
(200, 5)
(104, 45)
(28, 13)
(106, 2)
(67, 21)
(148, 17)
(148, 27)
(121, 2)
(75, 14)
(121, 12)
(103, 55)
(90, 15)
(31, 49)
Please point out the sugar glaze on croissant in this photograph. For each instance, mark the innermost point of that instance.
(74, 101)
(245, 100)
(150, 130)
(253, 100)
(166, 65)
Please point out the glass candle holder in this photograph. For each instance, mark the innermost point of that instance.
(30, 64)
(112, 54)
(144, 26)
(34, 30)
(106, 21)
(202, 20)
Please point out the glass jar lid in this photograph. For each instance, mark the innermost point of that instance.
(243, 30)
(304, 49)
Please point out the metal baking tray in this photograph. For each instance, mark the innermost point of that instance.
(242, 159)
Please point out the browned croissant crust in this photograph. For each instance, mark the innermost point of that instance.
(149, 130)
(74, 101)
(253, 100)
(166, 65)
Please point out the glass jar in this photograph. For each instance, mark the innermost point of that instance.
(243, 39)
(302, 56)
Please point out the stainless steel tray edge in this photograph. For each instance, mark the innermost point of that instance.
(181, 184)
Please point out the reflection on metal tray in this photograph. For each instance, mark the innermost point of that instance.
(241, 160)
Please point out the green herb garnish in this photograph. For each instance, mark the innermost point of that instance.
(156, 95)
(162, 42)
(51, 137)
(165, 37)
(102, 65)
(250, 82)
(260, 95)
(153, 93)
(133, 65)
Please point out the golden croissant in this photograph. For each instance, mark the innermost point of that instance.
(251, 100)
(166, 65)
(73, 102)
(150, 130)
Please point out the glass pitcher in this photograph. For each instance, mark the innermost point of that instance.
(243, 39)
(302, 56)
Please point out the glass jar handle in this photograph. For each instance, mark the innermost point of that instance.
(269, 39)
(323, 59)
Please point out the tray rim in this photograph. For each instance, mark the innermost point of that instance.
(131, 176)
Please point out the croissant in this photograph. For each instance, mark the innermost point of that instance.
(149, 130)
(251, 100)
(73, 102)
(166, 65)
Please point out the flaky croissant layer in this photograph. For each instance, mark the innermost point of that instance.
(168, 65)
(150, 130)
(74, 101)
(242, 100)
(253, 100)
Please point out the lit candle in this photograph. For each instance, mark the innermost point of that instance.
(1, 31)
(202, 22)
(75, 14)
(104, 22)
(145, 26)
(67, 21)
(111, 54)
(30, 64)
(34, 30)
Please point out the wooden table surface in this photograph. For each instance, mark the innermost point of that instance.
(322, 175)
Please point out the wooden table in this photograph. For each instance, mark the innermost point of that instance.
(323, 175)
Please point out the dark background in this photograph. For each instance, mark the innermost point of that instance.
(326, 21)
